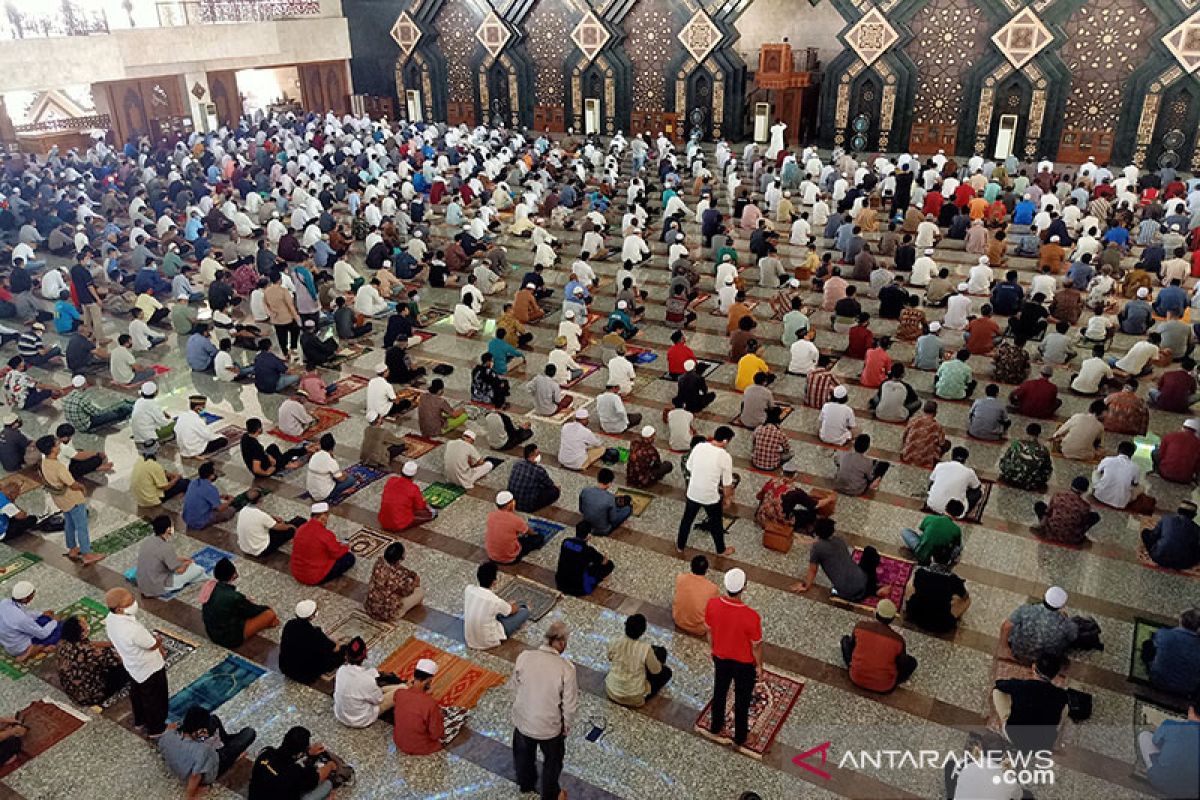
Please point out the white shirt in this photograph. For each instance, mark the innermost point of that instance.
(711, 467)
(679, 428)
(321, 469)
(135, 645)
(950, 481)
(1138, 356)
(139, 331)
(254, 530)
(145, 420)
(1044, 285)
(922, 271)
(480, 607)
(465, 320)
(368, 302)
(222, 364)
(979, 279)
(620, 373)
(573, 444)
(344, 276)
(958, 308)
(1114, 479)
(1091, 372)
(456, 462)
(356, 696)
(380, 396)
(192, 434)
(610, 410)
(837, 420)
(804, 355)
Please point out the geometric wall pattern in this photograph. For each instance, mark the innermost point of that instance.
(1184, 42)
(548, 40)
(871, 36)
(948, 39)
(590, 36)
(700, 36)
(649, 42)
(1022, 38)
(456, 33)
(1105, 45)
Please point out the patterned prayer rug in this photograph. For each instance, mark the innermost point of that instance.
(439, 495)
(49, 722)
(638, 499)
(1146, 561)
(18, 484)
(416, 446)
(892, 571)
(538, 598)
(453, 720)
(18, 564)
(366, 543)
(785, 411)
(432, 316)
(366, 475)
(774, 697)
(346, 386)
(1143, 629)
(325, 418)
(545, 528)
(207, 557)
(356, 623)
(424, 336)
(458, 682)
(346, 354)
(122, 537)
(91, 610)
(974, 515)
(233, 436)
(239, 500)
(589, 368)
(563, 416)
(177, 648)
(215, 687)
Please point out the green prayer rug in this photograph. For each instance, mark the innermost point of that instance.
(18, 563)
(91, 610)
(122, 537)
(440, 495)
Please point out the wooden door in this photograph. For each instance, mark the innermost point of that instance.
(223, 91)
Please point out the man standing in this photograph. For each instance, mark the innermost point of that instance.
(141, 654)
(710, 468)
(545, 700)
(735, 632)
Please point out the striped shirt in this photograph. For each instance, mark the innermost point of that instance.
(30, 344)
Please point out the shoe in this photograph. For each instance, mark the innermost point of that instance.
(714, 737)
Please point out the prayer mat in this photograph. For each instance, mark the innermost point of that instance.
(439, 495)
(346, 354)
(233, 436)
(641, 382)
(539, 599)
(346, 386)
(366, 475)
(207, 557)
(638, 500)
(785, 411)
(592, 317)
(366, 543)
(564, 415)
(1143, 629)
(215, 687)
(641, 355)
(356, 623)
(17, 564)
(239, 500)
(458, 682)
(424, 336)
(416, 446)
(1146, 561)
(975, 514)
(413, 396)
(892, 571)
(589, 368)
(122, 537)
(699, 300)
(545, 528)
(774, 697)
(91, 610)
(210, 418)
(325, 418)
(176, 647)
(432, 316)
(18, 484)
(453, 720)
(49, 722)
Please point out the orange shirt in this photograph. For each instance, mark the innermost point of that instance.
(500, 540)
(873, 665)
(692, 593)
(984, 331)
(977, 208)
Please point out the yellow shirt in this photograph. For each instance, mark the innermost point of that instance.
(748, 366)
(147, 304)
(147, 482)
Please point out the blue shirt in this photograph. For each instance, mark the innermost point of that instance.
(1171, 298)
(199, 501)
(19, 627)
(1176, 664)
(599, 507)
(501, 352)
(268, 368)
(1023, 212)
(66, 317)
(1175, 768)
(1080, 274)
(200, 352)
(929, 352)
(1117, 234)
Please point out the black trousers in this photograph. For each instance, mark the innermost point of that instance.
(281, 458)
(278, 540)
(525, 763)
(18, 526)
(715, 524)
(742, 675)
(215, 445)
(150, 700)
(179, 488)
(548, 497)
(288, 335)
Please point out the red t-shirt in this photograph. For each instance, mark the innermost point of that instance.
(861, 340)
(314, 550)
(677, 354)
(1035, 398)
(1179, 456)
(875, 370)
(419, 725)
(401, 500)
(873, 665)
(500, 539)
(984, 331)
(734, 627)
(1175, 389)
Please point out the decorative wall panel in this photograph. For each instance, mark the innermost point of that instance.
(548, 41)
(948, 38)
(1105, 43)
(650, 42)
(456, 25)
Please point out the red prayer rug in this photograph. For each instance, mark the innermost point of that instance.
(774, 696)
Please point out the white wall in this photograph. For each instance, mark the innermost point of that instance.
(805, 25)
(37, 64)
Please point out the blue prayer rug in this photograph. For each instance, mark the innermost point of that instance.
(207, 557)
(215, 687)
(545, 528)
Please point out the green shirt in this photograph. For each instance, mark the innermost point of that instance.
(225, 615)
(952, 379)
(183, 318)
(793, 321)
(937, 531)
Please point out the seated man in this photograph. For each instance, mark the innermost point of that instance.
(393, 589)
(305, 652)
(419, 722)
(1037, 629)
(258, 533)
(462, 463)
(937, 531)
(692, 593)
(1031, 709)
(581, 567)
(1171, 754)
(600, 508)
(487, 619)
(1174, 542)
(359, 696)
(160, 570)
(936, 598)
(530, 484)
(23, 633)
(638, 670)
(876, 654)
(856, 474)
(1172, 656)
(645, 466)
(402, 504)
(199, 750)
(263, 462)
(508, 537)
(230, 618)
(1068, 517)
(203, 503)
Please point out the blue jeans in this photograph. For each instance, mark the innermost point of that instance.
(513, 622)
(340, 488)
(285, 381)
(911, 538)
(323, 790)
(75, 528)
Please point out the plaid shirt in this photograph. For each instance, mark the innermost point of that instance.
(770, 444)
(820, 385)
(79, 409)
(527, 482)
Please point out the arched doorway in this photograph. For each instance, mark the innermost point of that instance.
(698, 121)
(1010, 118)
(862, 131)
(499, 107)
(1175, 131)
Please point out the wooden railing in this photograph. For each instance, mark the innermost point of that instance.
(214, 12)
(61, 18)
(93, 122)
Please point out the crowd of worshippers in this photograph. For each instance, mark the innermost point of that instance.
(270, 247)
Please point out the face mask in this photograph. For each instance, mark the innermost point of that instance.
(131, 609)
(537, 459)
